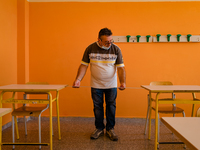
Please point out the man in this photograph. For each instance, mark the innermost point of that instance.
(105, 60)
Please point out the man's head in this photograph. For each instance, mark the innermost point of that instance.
(105, 38)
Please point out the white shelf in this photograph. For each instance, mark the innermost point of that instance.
(119, 38)
(173, 38)
(132, 39)
(162, 38)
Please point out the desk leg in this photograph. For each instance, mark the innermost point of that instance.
(150, 110)
(156, 122)
(58, 118)
(0, 131)
(193, 106)
(15, 118)
(50, 120)
(1, 98)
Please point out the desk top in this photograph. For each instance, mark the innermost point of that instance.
(172, 88)
(31, 88)
(4, 111)
(186, 128)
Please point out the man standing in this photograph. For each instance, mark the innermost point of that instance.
(105, 60)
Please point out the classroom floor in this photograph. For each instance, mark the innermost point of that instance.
(75, 132)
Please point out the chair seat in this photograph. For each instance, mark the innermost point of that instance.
(28, 111)
(169, 109)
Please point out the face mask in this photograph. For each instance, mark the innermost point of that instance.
(106, 48)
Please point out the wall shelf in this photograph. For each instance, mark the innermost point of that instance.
(157, 39)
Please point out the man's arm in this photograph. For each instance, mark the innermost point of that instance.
(122, 77)
(81, 73)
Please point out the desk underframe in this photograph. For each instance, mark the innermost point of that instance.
(30, 101)
(167, 101)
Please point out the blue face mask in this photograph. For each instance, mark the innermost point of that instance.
(106, 48)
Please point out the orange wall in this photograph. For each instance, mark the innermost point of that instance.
(14, 39)
(8, 47)
(22, 41)
(60, 32)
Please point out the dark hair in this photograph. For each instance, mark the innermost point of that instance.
(105, 31)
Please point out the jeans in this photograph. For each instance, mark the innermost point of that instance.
(110, 99)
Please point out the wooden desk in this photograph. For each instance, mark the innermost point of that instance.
(186, 128)
(34, 88)
(3, 111)
(158, 89)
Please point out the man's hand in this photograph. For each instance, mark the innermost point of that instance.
(122, 77)
(81, 72)
(76, 83)
(122, 86)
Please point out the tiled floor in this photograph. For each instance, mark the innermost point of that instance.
(75, 132)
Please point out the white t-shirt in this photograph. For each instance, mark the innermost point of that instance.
(103, 65)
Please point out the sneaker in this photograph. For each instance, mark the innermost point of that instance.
(96, 134)
(111, 134)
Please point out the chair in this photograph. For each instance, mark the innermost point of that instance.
(166, 109)
(198, 112)
(28, 111)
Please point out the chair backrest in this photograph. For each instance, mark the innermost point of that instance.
(161, 83)
(45, 83)
(198, 112)
(164, 83)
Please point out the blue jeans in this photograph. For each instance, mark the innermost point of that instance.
(110, 99)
